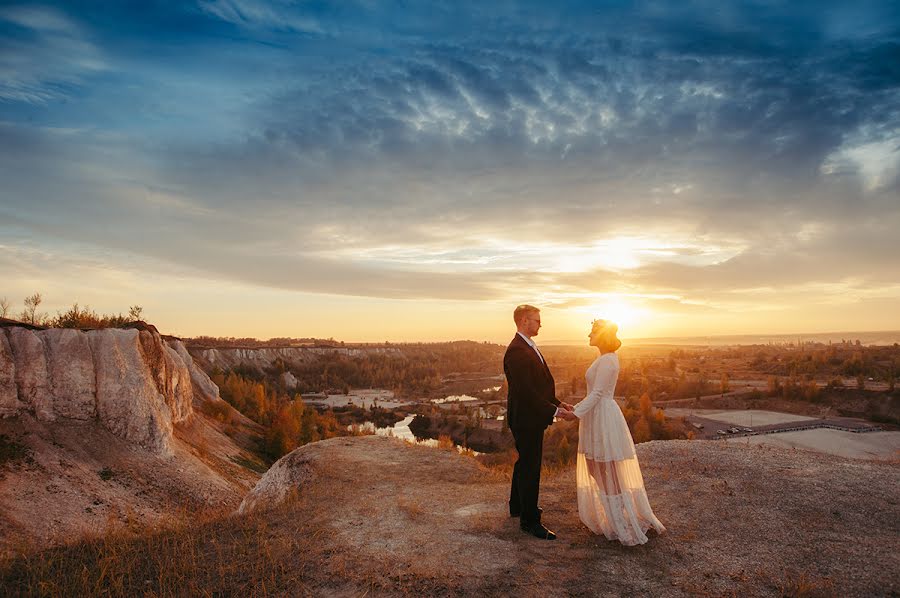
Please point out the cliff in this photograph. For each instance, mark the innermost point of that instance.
(103, 428)
(132, 381)
(230, 357)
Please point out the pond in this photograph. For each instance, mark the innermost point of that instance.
(401, 430)
(454, 399)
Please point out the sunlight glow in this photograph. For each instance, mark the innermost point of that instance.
(619, 310)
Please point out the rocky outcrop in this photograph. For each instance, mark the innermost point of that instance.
(227, 358)
(287, 476)
(70, 368)
(289, 380)
(9, 398)
(134, 382)
(201, 381)
(31, 376)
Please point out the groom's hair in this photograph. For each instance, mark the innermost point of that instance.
(522, 311)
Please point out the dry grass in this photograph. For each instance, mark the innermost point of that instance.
(212, 555)
(803, 585)
(411, 507)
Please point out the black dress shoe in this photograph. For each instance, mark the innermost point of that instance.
(517, 513)
(538, 531)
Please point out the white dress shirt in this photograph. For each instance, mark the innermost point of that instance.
(532, 345)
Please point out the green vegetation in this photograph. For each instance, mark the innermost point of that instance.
(11, 450)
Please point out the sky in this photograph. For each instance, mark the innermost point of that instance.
(402, 171)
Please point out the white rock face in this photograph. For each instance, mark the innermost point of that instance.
(178, 392)
(70, 366)
(128, 400)
(289, 380)
(203, 386)
(131, 380)
(9, 396)
(32, 378)
(266, 356)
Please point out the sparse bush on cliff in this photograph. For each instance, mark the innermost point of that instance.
(74, 317)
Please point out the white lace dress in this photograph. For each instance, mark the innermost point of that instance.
(611, 496)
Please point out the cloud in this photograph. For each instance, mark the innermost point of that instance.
(391, 154)
(275, 14)
(42, 54)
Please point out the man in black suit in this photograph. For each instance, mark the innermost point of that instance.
(530, 407)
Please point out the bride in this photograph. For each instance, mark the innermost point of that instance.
(611, 496)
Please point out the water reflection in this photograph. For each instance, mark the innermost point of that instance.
(454, 399)
(401, 430)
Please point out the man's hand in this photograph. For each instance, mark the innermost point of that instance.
(565, 414)
(567, 406)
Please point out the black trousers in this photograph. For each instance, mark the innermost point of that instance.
(526, 479)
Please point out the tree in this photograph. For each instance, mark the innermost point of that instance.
(646, 405)
(892, 368)
(723, 385)
(641, 431)
(135, 312)
(30, 313)
(4, 307)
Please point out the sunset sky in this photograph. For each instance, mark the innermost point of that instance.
(403, 171)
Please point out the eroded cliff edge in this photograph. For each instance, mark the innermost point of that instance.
(132, 381)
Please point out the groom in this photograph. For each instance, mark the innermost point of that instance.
(530, 408)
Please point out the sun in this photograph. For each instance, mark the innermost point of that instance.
(620, 311)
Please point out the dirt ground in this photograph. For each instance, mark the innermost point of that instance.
(871, 445)
(392, 518)
(376, 516)
(746, 418)
(78, 480)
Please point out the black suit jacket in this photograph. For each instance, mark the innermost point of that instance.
(531, 401)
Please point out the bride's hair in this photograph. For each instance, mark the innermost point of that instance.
(609, 341)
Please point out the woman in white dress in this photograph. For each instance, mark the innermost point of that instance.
(611, 496)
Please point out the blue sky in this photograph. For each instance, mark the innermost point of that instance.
(276, 168)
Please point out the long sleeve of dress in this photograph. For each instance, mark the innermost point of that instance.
(603, 387)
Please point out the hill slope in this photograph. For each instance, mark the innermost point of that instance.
(373, 515)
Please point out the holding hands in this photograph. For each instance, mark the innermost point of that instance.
(565, 411)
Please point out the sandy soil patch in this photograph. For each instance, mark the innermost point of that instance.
(749, 417)
(871, 445)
